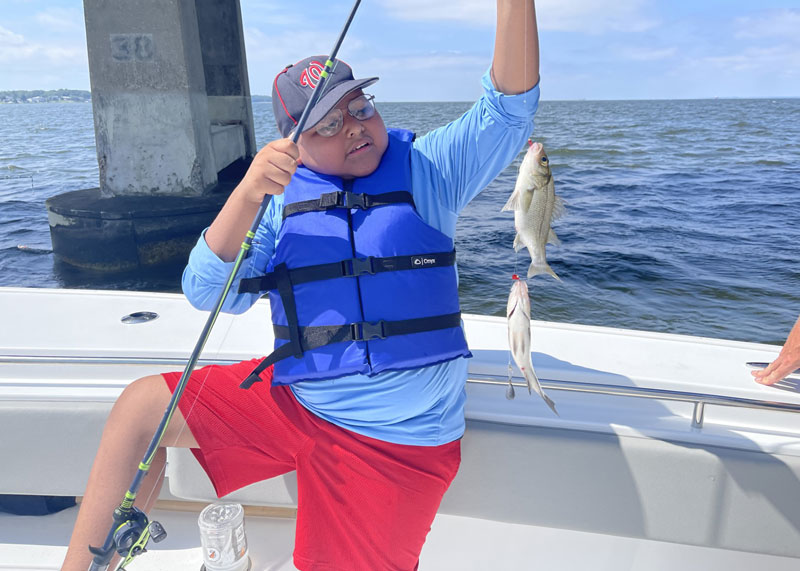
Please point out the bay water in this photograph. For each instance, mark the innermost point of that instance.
(682, 216)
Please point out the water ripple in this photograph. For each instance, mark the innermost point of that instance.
(682, 216)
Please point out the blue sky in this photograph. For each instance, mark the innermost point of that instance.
(432, 50)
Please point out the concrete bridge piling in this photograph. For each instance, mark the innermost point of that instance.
(174, 130)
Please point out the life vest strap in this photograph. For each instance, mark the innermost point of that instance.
(286, 292)
(347, 200)
(277, 355)
(353, 267)
(313, 337)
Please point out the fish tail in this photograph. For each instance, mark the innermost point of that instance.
(541, 268)
(550, 403)
(534, 385)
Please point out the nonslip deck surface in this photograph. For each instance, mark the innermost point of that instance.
(33, 543)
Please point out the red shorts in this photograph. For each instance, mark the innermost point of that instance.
(365, 504)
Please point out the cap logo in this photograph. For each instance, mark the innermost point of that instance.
(312, 74)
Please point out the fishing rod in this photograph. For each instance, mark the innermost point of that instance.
(130, 529)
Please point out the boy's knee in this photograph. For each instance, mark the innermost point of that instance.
(143, 398)
(143, 389)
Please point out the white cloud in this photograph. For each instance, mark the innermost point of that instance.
(435, 76)
(777, 60)
(646, 54)
(773, 45)
(288, 47)
(267, 54)
(594, 16)
(15, 49)
(481, 12)
(9, 38)
(442, 61)
(590, 16)
(781, 24)
(61, 20)
(272, 13)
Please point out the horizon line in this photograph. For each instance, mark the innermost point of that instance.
(577, 99)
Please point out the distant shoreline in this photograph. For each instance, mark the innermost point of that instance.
(69, 96)
(81, 96)
(45, 96)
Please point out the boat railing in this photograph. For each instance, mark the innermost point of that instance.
(699, 400)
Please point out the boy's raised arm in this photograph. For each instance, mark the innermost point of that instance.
(515, 67)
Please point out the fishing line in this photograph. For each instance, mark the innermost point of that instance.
(131, 530)
(222, 344)
(510, 390)
(525, 57)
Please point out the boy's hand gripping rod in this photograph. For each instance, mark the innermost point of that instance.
(131, 530)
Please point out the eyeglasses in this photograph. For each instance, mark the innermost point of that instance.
(361, 108)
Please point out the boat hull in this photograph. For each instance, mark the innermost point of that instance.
(637, 473)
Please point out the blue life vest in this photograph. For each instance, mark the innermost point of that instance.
(359, 283)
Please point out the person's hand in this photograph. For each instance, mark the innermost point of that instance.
(271, 170)
(788, 360)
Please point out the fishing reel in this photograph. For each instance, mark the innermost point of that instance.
(131, 535)
(130, 538)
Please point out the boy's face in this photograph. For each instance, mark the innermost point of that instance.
(355, 151)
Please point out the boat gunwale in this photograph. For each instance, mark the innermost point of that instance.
(696, 398)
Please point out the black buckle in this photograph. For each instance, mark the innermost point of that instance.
(329, 200)
(364, 330)
(353, 200)
(357, 266)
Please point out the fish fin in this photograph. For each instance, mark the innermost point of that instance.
(550, 403)
(518, 245)
(559, 208)
(535, 385)
(513, 202)
(542, 268)
(552, 238)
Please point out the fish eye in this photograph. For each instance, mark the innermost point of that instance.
(544, 159)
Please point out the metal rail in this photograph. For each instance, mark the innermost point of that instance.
(700, 400)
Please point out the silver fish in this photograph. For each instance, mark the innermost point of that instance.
(519, 336)
(535, 206)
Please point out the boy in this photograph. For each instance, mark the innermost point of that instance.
(364, 394)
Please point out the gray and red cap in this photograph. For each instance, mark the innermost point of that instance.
(293, 87)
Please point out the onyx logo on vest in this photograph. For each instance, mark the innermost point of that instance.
(417, 261)
(312, 74)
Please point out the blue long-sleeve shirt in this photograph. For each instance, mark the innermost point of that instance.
(449, 167)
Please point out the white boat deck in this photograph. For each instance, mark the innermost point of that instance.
(615, 482)
(38, 543)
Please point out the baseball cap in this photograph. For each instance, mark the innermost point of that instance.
(293, 87)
